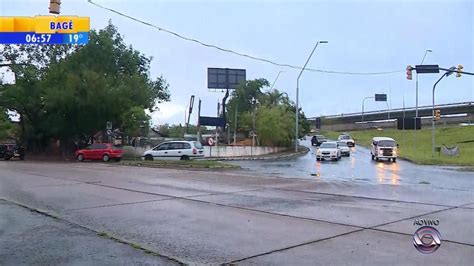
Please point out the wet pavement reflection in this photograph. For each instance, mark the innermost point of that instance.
(359, 167)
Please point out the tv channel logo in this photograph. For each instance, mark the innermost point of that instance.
(426, 239)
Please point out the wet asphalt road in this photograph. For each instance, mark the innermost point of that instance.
(360, 168)
(105, 214)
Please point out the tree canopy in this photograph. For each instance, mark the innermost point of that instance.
(70, 92)
(274, 113)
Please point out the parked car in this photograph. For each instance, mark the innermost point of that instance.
(384, 148)
(317, 140)
(175, 150)
(328, 150)
(345, 150)
(348, 139)
(11, 150)
(100, 151)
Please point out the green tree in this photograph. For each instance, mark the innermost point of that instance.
(135, 122)
(164, 129)
(280, 122)
(30, 64)
(274, 126)
(241, 98)
(71, 92)
(274, 97)
(176, 131)
(6, 126)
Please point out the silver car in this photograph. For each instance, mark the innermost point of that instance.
(345, 150)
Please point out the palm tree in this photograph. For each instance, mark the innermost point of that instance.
(273, 98)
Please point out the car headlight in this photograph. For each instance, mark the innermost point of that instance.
(380, 152)
(318, 152)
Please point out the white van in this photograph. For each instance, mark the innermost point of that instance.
(175, 150)
(384, 148)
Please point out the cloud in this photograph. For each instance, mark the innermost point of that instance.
(168, 112)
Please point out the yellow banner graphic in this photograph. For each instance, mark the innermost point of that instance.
(45, 24)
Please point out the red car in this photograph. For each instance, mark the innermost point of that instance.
(100, 151)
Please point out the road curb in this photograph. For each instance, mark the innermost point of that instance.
(274, 156)
(178, 167)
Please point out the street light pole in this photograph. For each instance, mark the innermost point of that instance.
(416, 105)
(253, 121)
(298, 92)
(363, 102)
(447, 73)
(273, 84)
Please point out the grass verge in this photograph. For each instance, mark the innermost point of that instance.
(418, 148)
(200, 164)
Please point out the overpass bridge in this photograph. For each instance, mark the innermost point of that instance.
(450, 113)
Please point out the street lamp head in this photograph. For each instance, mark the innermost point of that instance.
(451, 71)
(429, 50)
(323, 41)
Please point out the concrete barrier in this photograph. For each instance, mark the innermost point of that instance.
(213, 151)
(239, 151)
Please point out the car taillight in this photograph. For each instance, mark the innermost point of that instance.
(195, 151)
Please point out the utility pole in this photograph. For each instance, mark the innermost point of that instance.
(235, 124)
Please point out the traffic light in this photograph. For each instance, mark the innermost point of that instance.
(409, 74)
(460, 68)
(437, 114)
(54, 6)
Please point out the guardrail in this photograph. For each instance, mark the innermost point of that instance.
(409, 109)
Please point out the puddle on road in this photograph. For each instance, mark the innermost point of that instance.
(282, 165)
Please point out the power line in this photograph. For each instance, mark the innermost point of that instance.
(238, 53)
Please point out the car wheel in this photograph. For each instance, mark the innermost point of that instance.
(7, 158)
(373, 157)
(148, 157)
(376, 159)
(184, 158)
(105, 158)
(318, 159)
(80, 157)
(394, 160)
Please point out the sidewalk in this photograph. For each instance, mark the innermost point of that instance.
(33, 238)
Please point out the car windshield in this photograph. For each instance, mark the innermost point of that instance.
(328, 145)
(386, 143)
(345, 137)
(198, 145)
(342, 144)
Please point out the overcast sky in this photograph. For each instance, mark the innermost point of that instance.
(364, 36)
